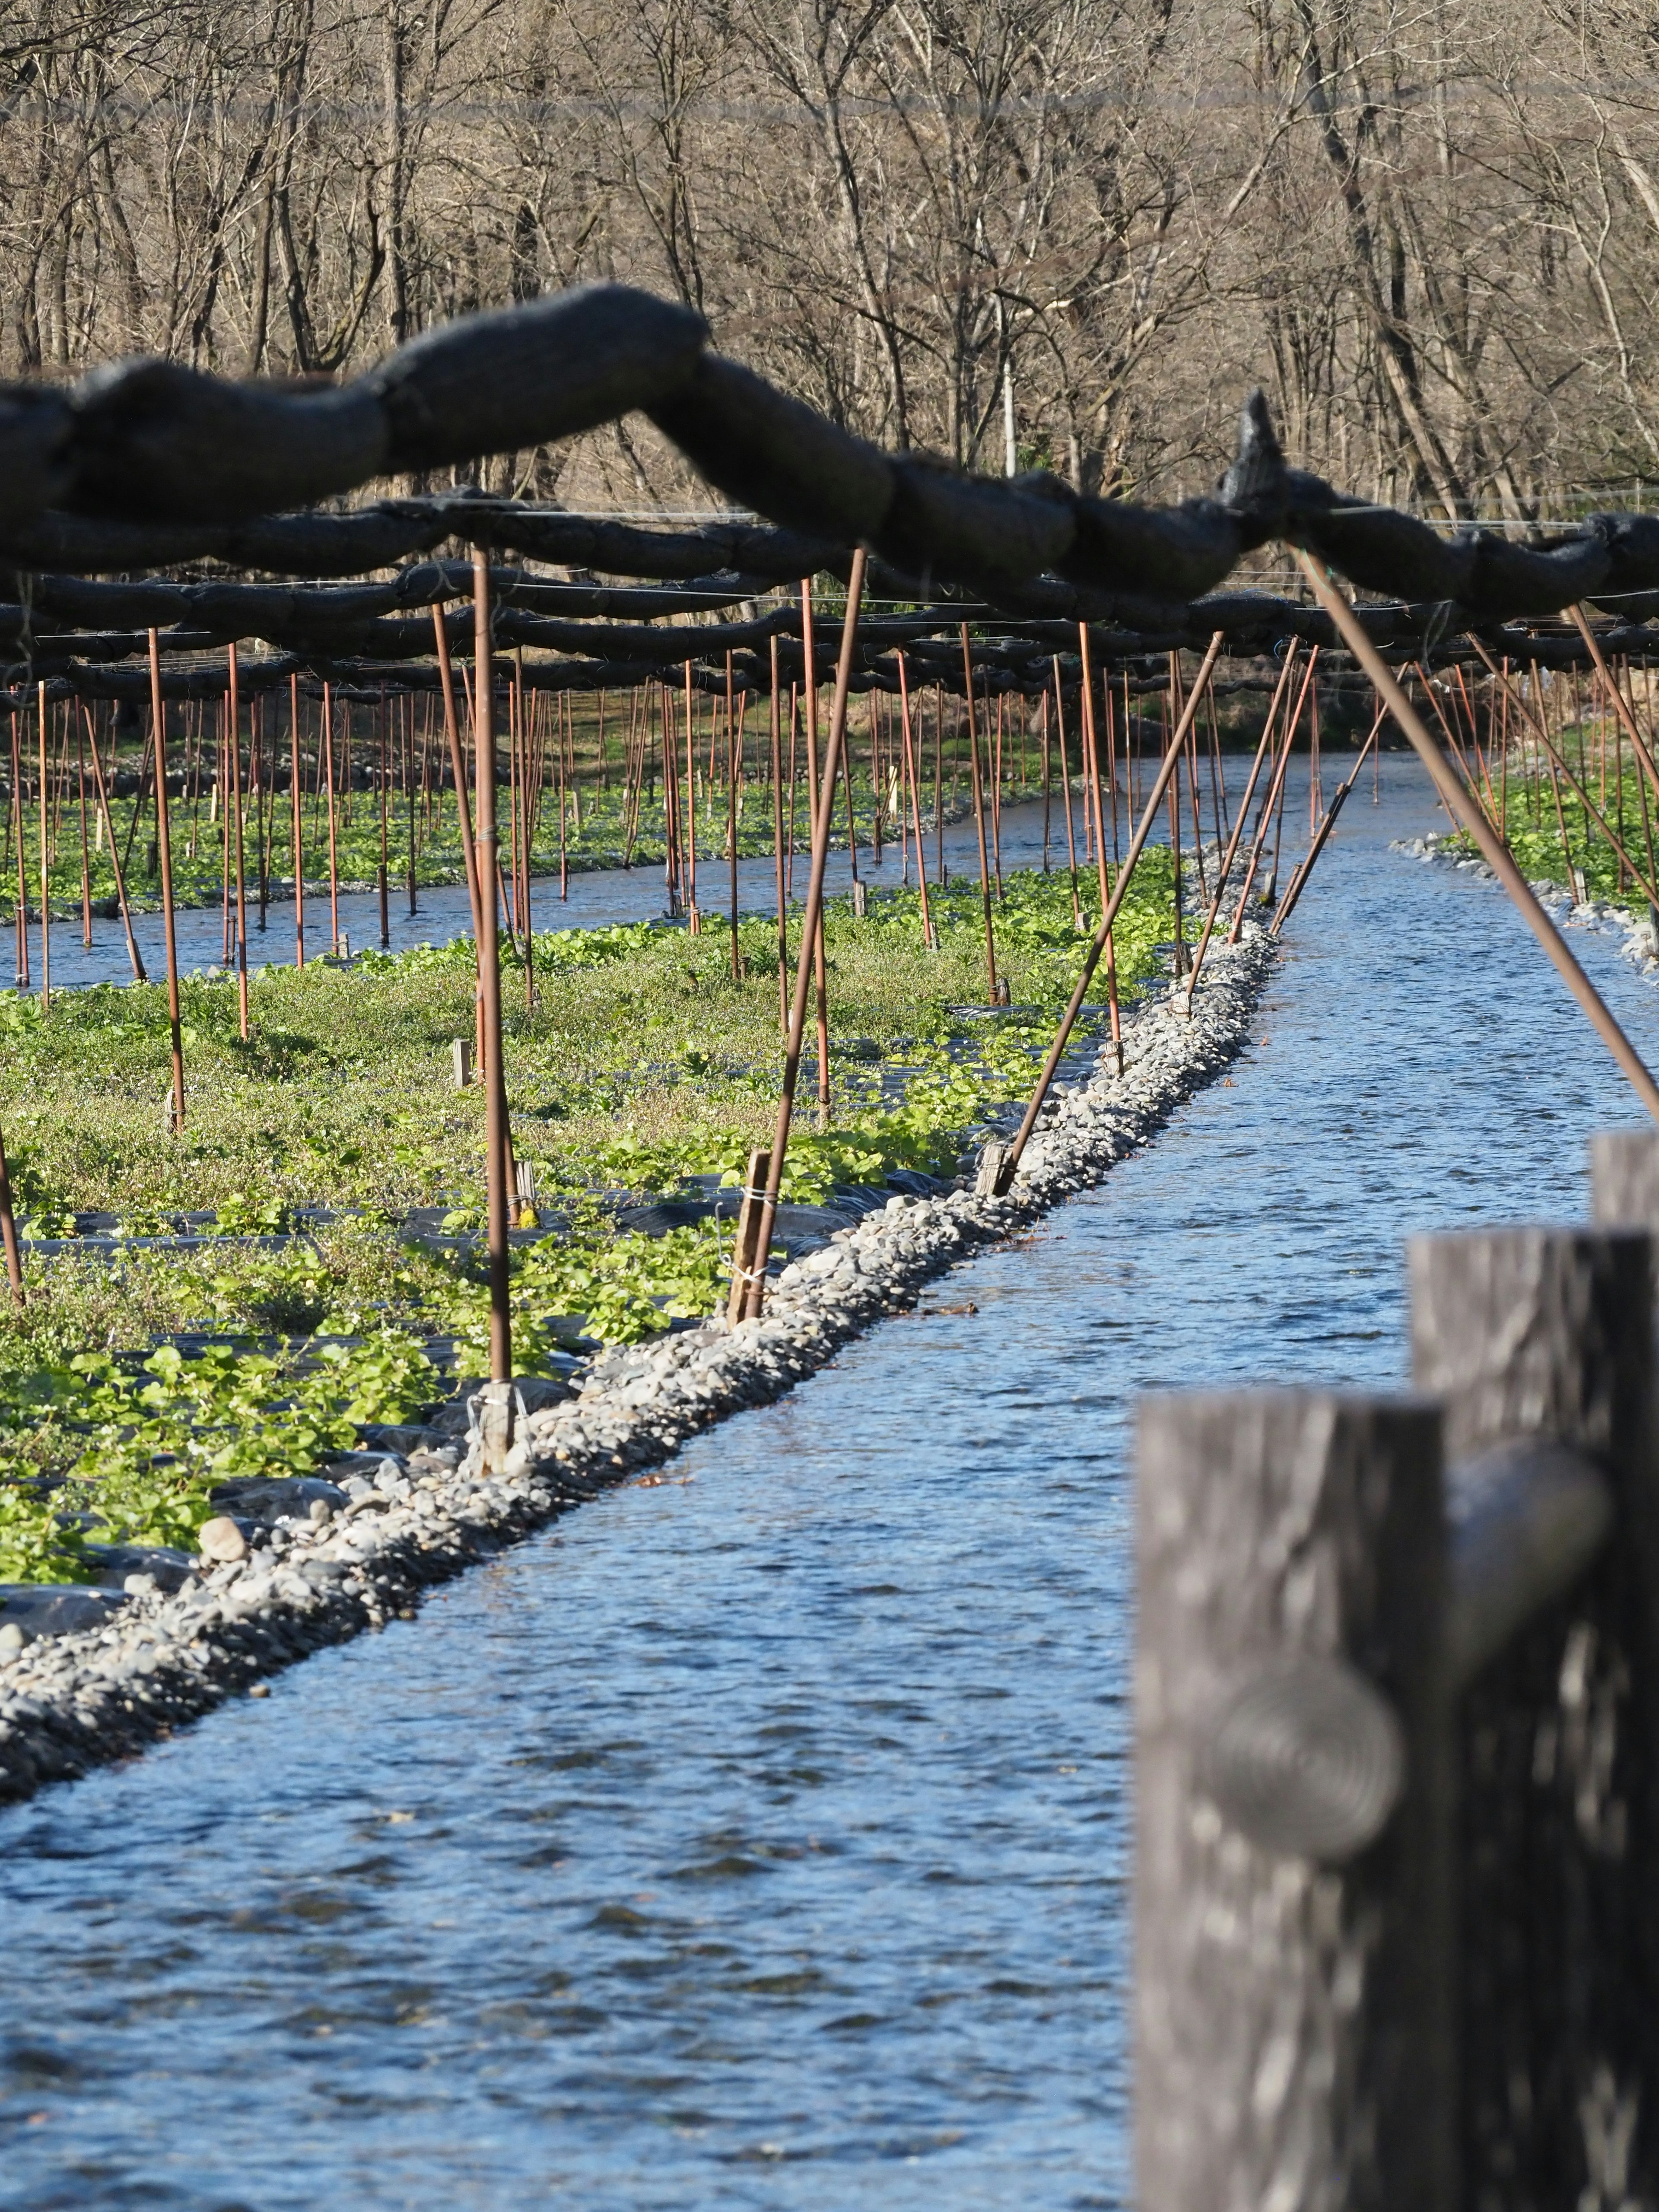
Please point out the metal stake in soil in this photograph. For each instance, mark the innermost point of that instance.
(489, 979)
(1167, 768)
(163, 837)
(45, 867)
(927, 937)
(233, 708)
(777, 847)
(333, 849)
(1237, 829)
(810, 924)
(296, 795)
(1493, 851)
(978, 816)
(140, 974)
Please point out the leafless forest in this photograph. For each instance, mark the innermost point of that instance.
(1430, 231)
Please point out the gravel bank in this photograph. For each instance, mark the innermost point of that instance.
(310, 1564)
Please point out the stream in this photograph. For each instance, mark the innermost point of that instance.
(758, 1836)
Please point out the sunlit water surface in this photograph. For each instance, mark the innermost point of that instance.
(758, 1837)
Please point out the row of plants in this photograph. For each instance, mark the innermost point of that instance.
(644, 1062)
(607, 825)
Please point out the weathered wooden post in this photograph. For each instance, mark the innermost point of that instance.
(1295, 2039)
(1547, 1334)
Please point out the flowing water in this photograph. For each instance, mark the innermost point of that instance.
(596, 897)
(758, 1836)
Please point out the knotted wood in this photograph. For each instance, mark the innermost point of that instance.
(1293, 2015)
(1547, 1333)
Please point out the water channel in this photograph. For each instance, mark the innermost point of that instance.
(595, 897)
(758, 1836)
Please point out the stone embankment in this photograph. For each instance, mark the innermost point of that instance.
(291, 1566)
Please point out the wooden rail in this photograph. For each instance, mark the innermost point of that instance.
(1397, 1717)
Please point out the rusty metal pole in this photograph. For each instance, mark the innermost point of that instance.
(21, 840)
(812, 796)
(915, 807)
(233, 709)
(1065, 794)
(165, 841)
(333, 856)
(1497, 855)
(1273, 789)
(458, 768)
(490, 977)
(1167, 768)
(86, 858)
(1620, 705)
(1092, 791)
(1237, 831)
(810, 920)
(979, 814)
(693, 919)
(1298, 882)
(140, 974)
(777, 846)
(46, 864)
(733, 758)
(296, 800)
(1649, 883)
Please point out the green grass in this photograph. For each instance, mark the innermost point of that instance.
(1533, 825)
(644, 1060)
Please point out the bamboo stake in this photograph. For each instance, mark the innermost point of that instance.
(1493, 851)
(164, 838)
(1167, 768)
(746, 1273)
(811, 923)
(8, 1230)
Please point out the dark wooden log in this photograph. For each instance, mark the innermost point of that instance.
(1293, 1985)
(1625, 1178)
(1544, 1332)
